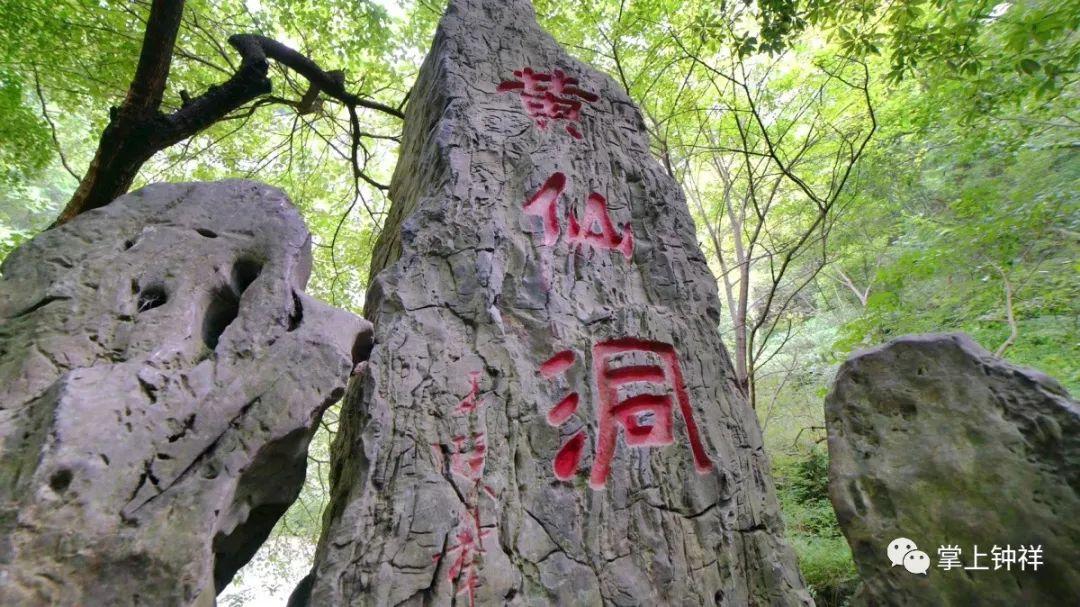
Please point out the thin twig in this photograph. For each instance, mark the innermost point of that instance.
(52, 127)
(1013, 329)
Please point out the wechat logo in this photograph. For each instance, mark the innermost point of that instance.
(904, 552)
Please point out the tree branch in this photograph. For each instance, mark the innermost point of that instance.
(52, 126)
(152, 72)
(139, 129)
(1014, 331)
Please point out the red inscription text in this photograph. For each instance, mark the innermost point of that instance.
(594, 230)
(549, 97)
(638, 385)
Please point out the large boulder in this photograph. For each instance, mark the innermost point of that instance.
(934, 440)
(549, 416)
(161, 374)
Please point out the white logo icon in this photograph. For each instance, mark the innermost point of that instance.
(903, 551)
(898, 548)
(917, 561)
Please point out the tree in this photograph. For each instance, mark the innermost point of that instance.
(138, 129)
(70, 61)
(777, 192)
(764, 147)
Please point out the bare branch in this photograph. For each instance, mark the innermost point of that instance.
(52, 126)
(1014, 331)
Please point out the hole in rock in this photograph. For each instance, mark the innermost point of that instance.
(277, 471)
(244, 272)
(297, 316)
(206, 233)
(223, 308)
(60, 480)
(129, 243)
(362, 346)
(153, 296)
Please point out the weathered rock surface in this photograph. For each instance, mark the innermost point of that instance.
(933, 439)
(161, 374)
(489, 311)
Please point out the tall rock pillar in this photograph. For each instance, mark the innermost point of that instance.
(549, 416)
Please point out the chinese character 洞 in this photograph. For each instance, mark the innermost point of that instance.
(638, 386)
(553, 96)
(595, 228)
(949, 557)
(645, 417)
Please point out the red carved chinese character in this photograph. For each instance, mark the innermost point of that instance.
(545, 204)
(549, 97)
(468, 462)
(470, 402)
(569, 455)
(637, 384)
(568, 458)
(469, 545)
(596, 214)
(645, 417)
(557, 364)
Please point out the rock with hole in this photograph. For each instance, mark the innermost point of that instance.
(934, 440)
(161, 374)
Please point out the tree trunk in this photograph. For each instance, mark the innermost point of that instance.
(549, 416)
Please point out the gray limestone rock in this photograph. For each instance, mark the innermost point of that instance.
(503, 291)
(934, 440)
(161, 374)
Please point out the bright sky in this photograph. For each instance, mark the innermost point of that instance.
(392, 7)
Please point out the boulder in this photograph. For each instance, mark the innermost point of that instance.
(549, 416)
(937, 442)
(161, 374)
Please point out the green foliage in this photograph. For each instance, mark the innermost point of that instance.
(979, 209)
(1023, 48)
(827, 567)
(824, 556)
